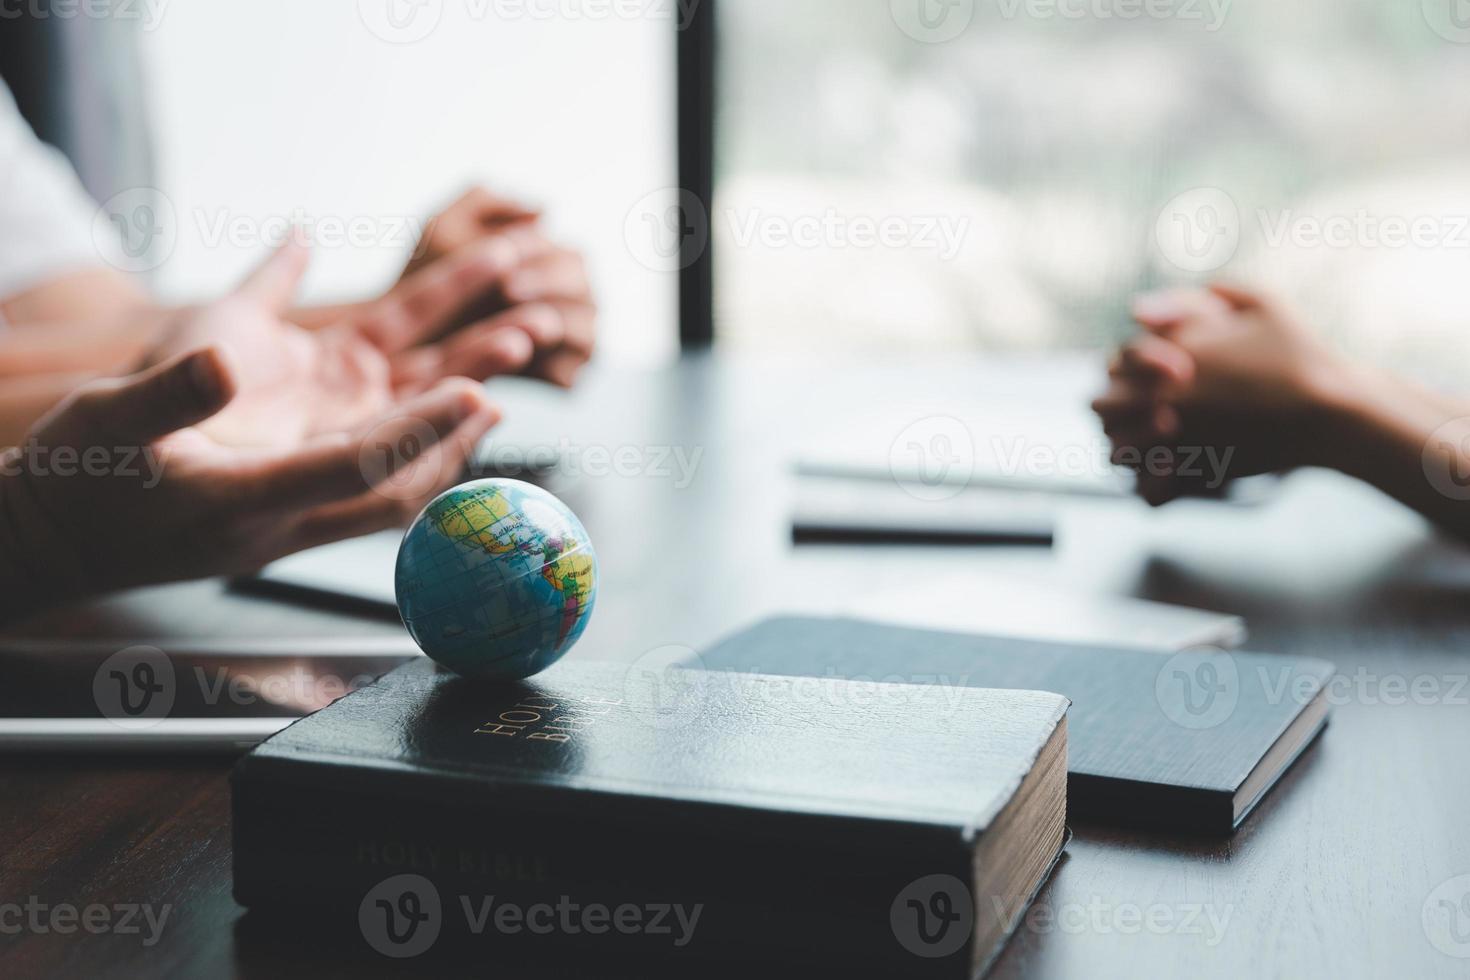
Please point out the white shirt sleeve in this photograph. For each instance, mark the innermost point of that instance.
(48, 225)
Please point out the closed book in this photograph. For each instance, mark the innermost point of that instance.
(861, 827)
(1190, 742)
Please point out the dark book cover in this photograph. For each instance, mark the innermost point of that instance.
(773, 822)
(1190, 742)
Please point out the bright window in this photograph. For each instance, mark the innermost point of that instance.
(1003, 174)
(377, 111)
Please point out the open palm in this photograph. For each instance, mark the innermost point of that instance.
(295, 384)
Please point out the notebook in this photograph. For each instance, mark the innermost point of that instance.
(1189, 742)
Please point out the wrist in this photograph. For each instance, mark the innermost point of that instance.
(1375, 426)
(1344, 404)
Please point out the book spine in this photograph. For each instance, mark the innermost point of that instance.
(500, 875)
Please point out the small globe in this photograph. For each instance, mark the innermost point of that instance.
(496, 580)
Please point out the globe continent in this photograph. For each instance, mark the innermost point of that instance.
(496, 579)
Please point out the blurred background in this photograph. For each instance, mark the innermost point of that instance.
(359, 120)
(946, 175)
(343, 111)
(1086, 149)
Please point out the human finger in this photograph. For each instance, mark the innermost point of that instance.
(344, 466)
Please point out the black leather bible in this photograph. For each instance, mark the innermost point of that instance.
(1190, 742)
(867, 829)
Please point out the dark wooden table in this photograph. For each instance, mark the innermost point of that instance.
(1330, 877)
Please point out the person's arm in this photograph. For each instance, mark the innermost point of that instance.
(1235, 373)
(544, 290)
(96, 318)
(117, 489)
(59, 259)
(41, 364)
(511, 283)
(393, 347)
(297, 383)
(24, 400)
(1410, 443)
(103, 346)
(98, 295)
(1224, 371)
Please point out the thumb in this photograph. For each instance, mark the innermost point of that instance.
(1156, 358)
(1239, 297)
(273, 284)
(494, 210)
(173, 395)
(1160, 312)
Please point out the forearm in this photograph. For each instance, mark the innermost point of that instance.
(40, 364)
(97, 294)
(115, 346)
(1411, 443)
(97, 322)
(23, 401)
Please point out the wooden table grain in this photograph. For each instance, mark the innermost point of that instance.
(1332, 876)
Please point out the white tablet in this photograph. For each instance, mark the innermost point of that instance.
(176, 697)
